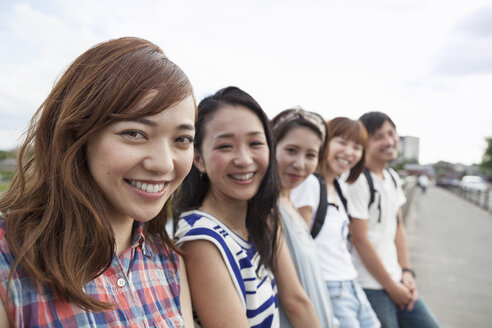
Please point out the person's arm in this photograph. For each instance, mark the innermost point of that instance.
(305, 198)
(404, 259)
(295, 301)
(4, 319)
(307, 214)
(213, 294)
(184, 296)
(401, 243)
(399, 293)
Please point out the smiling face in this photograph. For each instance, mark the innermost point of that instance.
(234, 153)
(343, 154)
(297, 156)
(382, 145)
(139, 163)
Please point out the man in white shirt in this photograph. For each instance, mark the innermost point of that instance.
(381, 254)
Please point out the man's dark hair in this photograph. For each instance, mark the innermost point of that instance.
(373, 121)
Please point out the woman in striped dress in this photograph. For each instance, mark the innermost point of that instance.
(229, 220)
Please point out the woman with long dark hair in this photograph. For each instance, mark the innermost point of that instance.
(300, 138)
(82, 235)
(228, 225)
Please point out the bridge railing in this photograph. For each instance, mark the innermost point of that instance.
(409, 187)
(477, 197)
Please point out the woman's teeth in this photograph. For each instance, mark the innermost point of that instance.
(152, 188)
(242, 177)
(343, 162)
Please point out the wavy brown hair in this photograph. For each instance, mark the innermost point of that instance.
(56, 217)
(351, 130)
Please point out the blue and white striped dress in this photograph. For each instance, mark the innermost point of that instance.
(258, 293)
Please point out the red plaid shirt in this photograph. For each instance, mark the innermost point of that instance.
(142, 283)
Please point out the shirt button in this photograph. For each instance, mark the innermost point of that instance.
(121, 282)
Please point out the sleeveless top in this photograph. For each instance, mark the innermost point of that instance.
(304, 255)
(258, 293)
(142, 283)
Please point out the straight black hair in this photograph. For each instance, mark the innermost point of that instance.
(262, 218)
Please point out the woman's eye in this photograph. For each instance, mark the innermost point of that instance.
(224, 146)
(257, 143)
(311, 156)
(185, 140)
(290, 150)
(134, 134)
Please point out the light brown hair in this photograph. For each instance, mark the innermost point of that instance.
(56, 216)
(351, 130)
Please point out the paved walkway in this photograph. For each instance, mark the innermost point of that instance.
(450, 244)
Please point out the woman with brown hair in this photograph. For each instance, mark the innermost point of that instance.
(82, 237)
(345, 152)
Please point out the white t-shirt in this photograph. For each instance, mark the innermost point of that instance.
(331, 241)
(381, 229)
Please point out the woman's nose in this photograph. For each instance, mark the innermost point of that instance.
(160, 158)
(243, 156)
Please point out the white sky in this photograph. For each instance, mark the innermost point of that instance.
(426, 63)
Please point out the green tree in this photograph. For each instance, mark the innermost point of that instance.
(486, 165)
(7, 154)
(399, 164)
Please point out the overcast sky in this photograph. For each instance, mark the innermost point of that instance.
(426, 63)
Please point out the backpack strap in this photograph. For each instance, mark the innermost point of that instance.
(392, 178)
(372, 191)
(342, 197)
(396, 187)
(344, 203)
(319, 219)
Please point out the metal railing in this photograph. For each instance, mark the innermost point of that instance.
(477, 197)
(409, 189)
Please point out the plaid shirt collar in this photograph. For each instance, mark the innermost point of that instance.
(140, 241)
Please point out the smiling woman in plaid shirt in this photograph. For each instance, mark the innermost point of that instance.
(82, 236)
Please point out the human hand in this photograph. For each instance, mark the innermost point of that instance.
(408, 280)
(400, 294)
(415, 297)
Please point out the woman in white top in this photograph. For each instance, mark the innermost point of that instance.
(345, 154)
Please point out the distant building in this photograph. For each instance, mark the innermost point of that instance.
(417, 169)
(408, 148)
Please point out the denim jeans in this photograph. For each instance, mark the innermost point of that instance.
(391, 316)
(351, 308)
